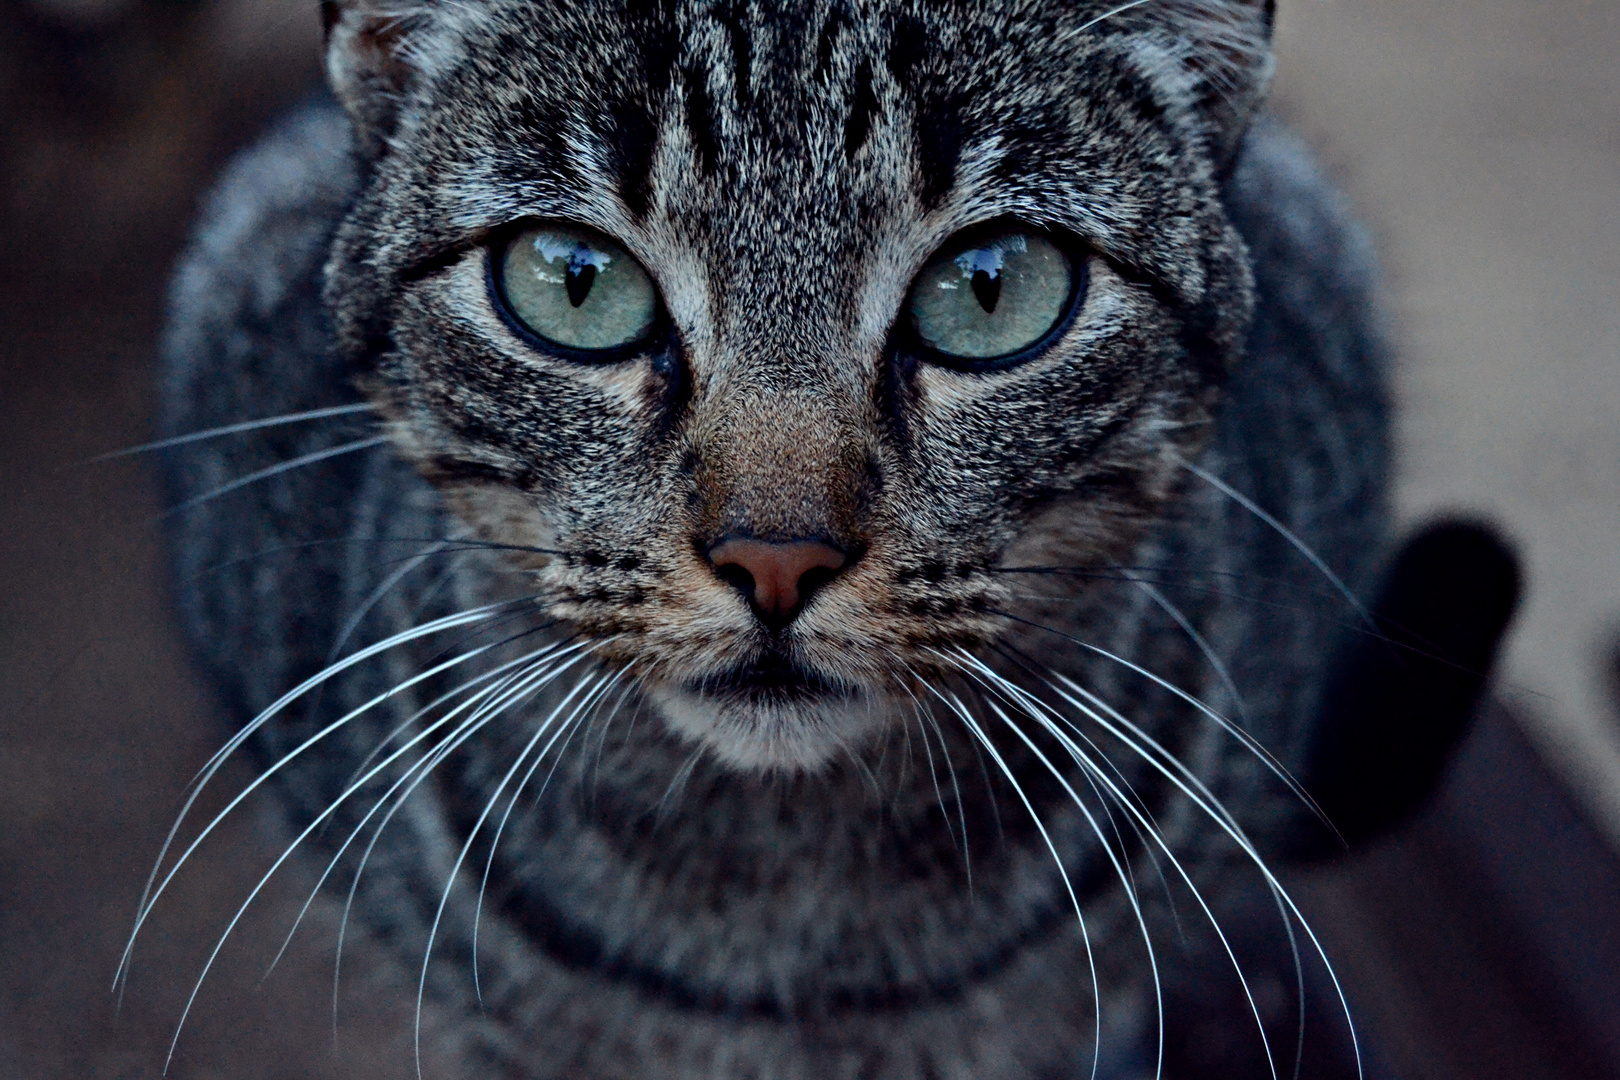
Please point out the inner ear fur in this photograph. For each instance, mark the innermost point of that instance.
(367, 61)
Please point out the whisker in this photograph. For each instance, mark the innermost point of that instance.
(274, 470)
(467, 727)
(148, 895)
(1252, 744)
(996, 684)
(1372, 630)
(1104, 17)
(1201, 644)
(677, 783)
(495, 672)
(1282, 530)
(1155, 837)
(956, 793)
(352, 623)
(908, 763)
(933, 775)
(1124, 784)
(472, 834)
(973, 669)
(955, 704)
(364, 775)
(232, 429)
(504, 696)
(589, 702)
(235, 919)
(1177, 773)
(1036, 710)
(1133, 576)
(601, 743)
(1221, 672)
(925, 714)
(467, 544)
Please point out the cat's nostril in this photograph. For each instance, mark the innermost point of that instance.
(777, 578)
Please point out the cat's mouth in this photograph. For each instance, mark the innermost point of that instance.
(770, 678)
(771, 713)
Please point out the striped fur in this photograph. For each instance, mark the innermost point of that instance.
(732, 886)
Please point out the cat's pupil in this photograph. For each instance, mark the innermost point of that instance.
(986, 287)
(578, 279)
(993, 296)
(547, 273)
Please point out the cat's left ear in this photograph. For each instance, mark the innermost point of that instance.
(1220, 52)
(372, 53)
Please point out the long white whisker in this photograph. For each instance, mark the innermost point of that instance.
(287, 853)
(505, 695)
(1173, 770)
(955, 704)
(607, 724)
(1157, 839)
(275, 470)
(596, 695)
(974, 668)
(1278, 898)
(1282, 530)
(933, 776)
(908, 761)
(924, 714)
(365, 774)
(408, 722)
(1104, 17)
(352, 623)
(148, 895)
(1276, 767)
(1199, 641)
(232, 429)
(1021, 697)
(677, 783)
(998, 685)
(472, 834)
(1043, 714)
(956, 794)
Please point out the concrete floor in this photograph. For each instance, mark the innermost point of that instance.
(1480, 139)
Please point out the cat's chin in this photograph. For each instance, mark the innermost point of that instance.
(774, 732)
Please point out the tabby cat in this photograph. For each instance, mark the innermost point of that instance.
(788, 539)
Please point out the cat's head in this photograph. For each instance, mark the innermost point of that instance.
(782, 326)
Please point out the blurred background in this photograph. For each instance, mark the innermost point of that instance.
(1480, 141)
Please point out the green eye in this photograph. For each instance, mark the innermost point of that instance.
(576, 288)
(992, 296)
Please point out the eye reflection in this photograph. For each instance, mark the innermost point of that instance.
(576, 288)
(994, 297)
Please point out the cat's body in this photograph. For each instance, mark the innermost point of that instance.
(726, 880)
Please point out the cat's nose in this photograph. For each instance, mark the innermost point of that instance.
(777, 578)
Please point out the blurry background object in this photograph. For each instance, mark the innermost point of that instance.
(1479, 139)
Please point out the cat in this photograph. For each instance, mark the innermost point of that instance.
(789, 540)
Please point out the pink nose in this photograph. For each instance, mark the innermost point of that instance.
(776, 578)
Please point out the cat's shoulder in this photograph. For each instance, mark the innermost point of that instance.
(1319, 311)
(1305, 240)
(246, 291)
(273, 210)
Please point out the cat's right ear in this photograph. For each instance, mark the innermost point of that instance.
(371, 60)
(1214, 55)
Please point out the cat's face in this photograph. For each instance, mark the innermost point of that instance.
(780, 330)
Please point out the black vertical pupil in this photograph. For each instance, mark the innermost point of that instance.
(986, 286)
(578, 278)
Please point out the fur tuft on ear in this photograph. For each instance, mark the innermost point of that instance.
(371, 57)
(1216, 52)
